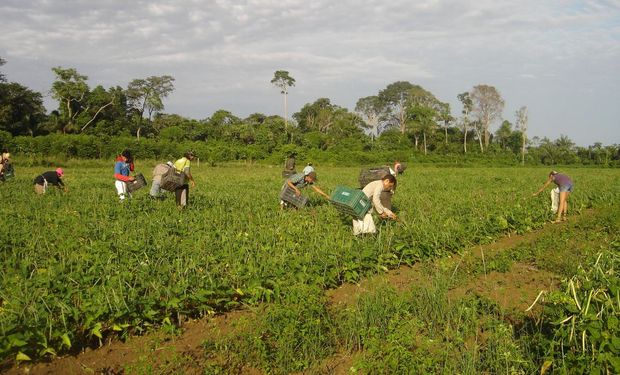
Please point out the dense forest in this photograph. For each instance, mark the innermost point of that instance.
(403, 121)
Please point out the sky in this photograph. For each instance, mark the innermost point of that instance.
(560, 59)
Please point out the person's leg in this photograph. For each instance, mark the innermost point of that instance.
(565, 213)
(185, 198)
(561, 206)
(121, 189)
(182, 195)
(177, 195)
(155, 188)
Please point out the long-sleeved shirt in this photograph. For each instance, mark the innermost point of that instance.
(122, 169)
(51, 177)
(373, 191)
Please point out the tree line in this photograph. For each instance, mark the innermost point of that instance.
(403, 119)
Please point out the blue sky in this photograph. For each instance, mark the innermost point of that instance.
(561, 59)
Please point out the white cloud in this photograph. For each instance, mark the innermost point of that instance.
(230, 49)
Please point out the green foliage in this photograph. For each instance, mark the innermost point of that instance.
(584, 319)
(21, 109)
(80, 267)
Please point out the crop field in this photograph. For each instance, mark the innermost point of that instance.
(80, 267)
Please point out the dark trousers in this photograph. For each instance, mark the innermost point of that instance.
(182, 195)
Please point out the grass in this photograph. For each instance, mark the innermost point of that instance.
(82, 267)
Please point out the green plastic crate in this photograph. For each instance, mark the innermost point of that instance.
(351, 201)
(288, 195)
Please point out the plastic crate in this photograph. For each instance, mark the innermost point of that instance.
(288, 195)
(351, 201)
(172, 180)
(136, 184)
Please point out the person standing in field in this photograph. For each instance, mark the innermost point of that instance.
(299, 181)
(42, 181)
(4, 163)
(184, 165)
(565, 184)
(122, 167)
(373, 191)
(289, 166)
(398, 168)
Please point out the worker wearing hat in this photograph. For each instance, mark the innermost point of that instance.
(42, 181)
(299, 181)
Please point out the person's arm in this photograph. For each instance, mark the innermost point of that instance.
(123, 178)
(292, 186)
(318, 190)
(544, 186)
(188, 173)
(61, 185)
(383, 211)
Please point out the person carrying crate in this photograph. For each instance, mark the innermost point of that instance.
(122, 167)
(373, 191)
(297, 182)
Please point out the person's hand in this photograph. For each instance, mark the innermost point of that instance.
(193, 183)
(131, 178)
(297, 192)
(388, 215)
(535, 194)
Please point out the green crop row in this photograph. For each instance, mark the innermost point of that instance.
(80, 267)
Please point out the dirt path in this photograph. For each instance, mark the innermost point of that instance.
(515, 289)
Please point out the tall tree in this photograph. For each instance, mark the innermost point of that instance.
(422, 120)
(423, 111)
(146, 95)
(521, 123)
(488, 107)
(370, 108)
(445, 116)
(21, 109)
(503, 133)
(468, 105)
(394, 99)
(98, 100)
(282, 80)
(318, 116)
(71, 90)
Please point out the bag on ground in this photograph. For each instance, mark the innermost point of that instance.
(555, 199)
